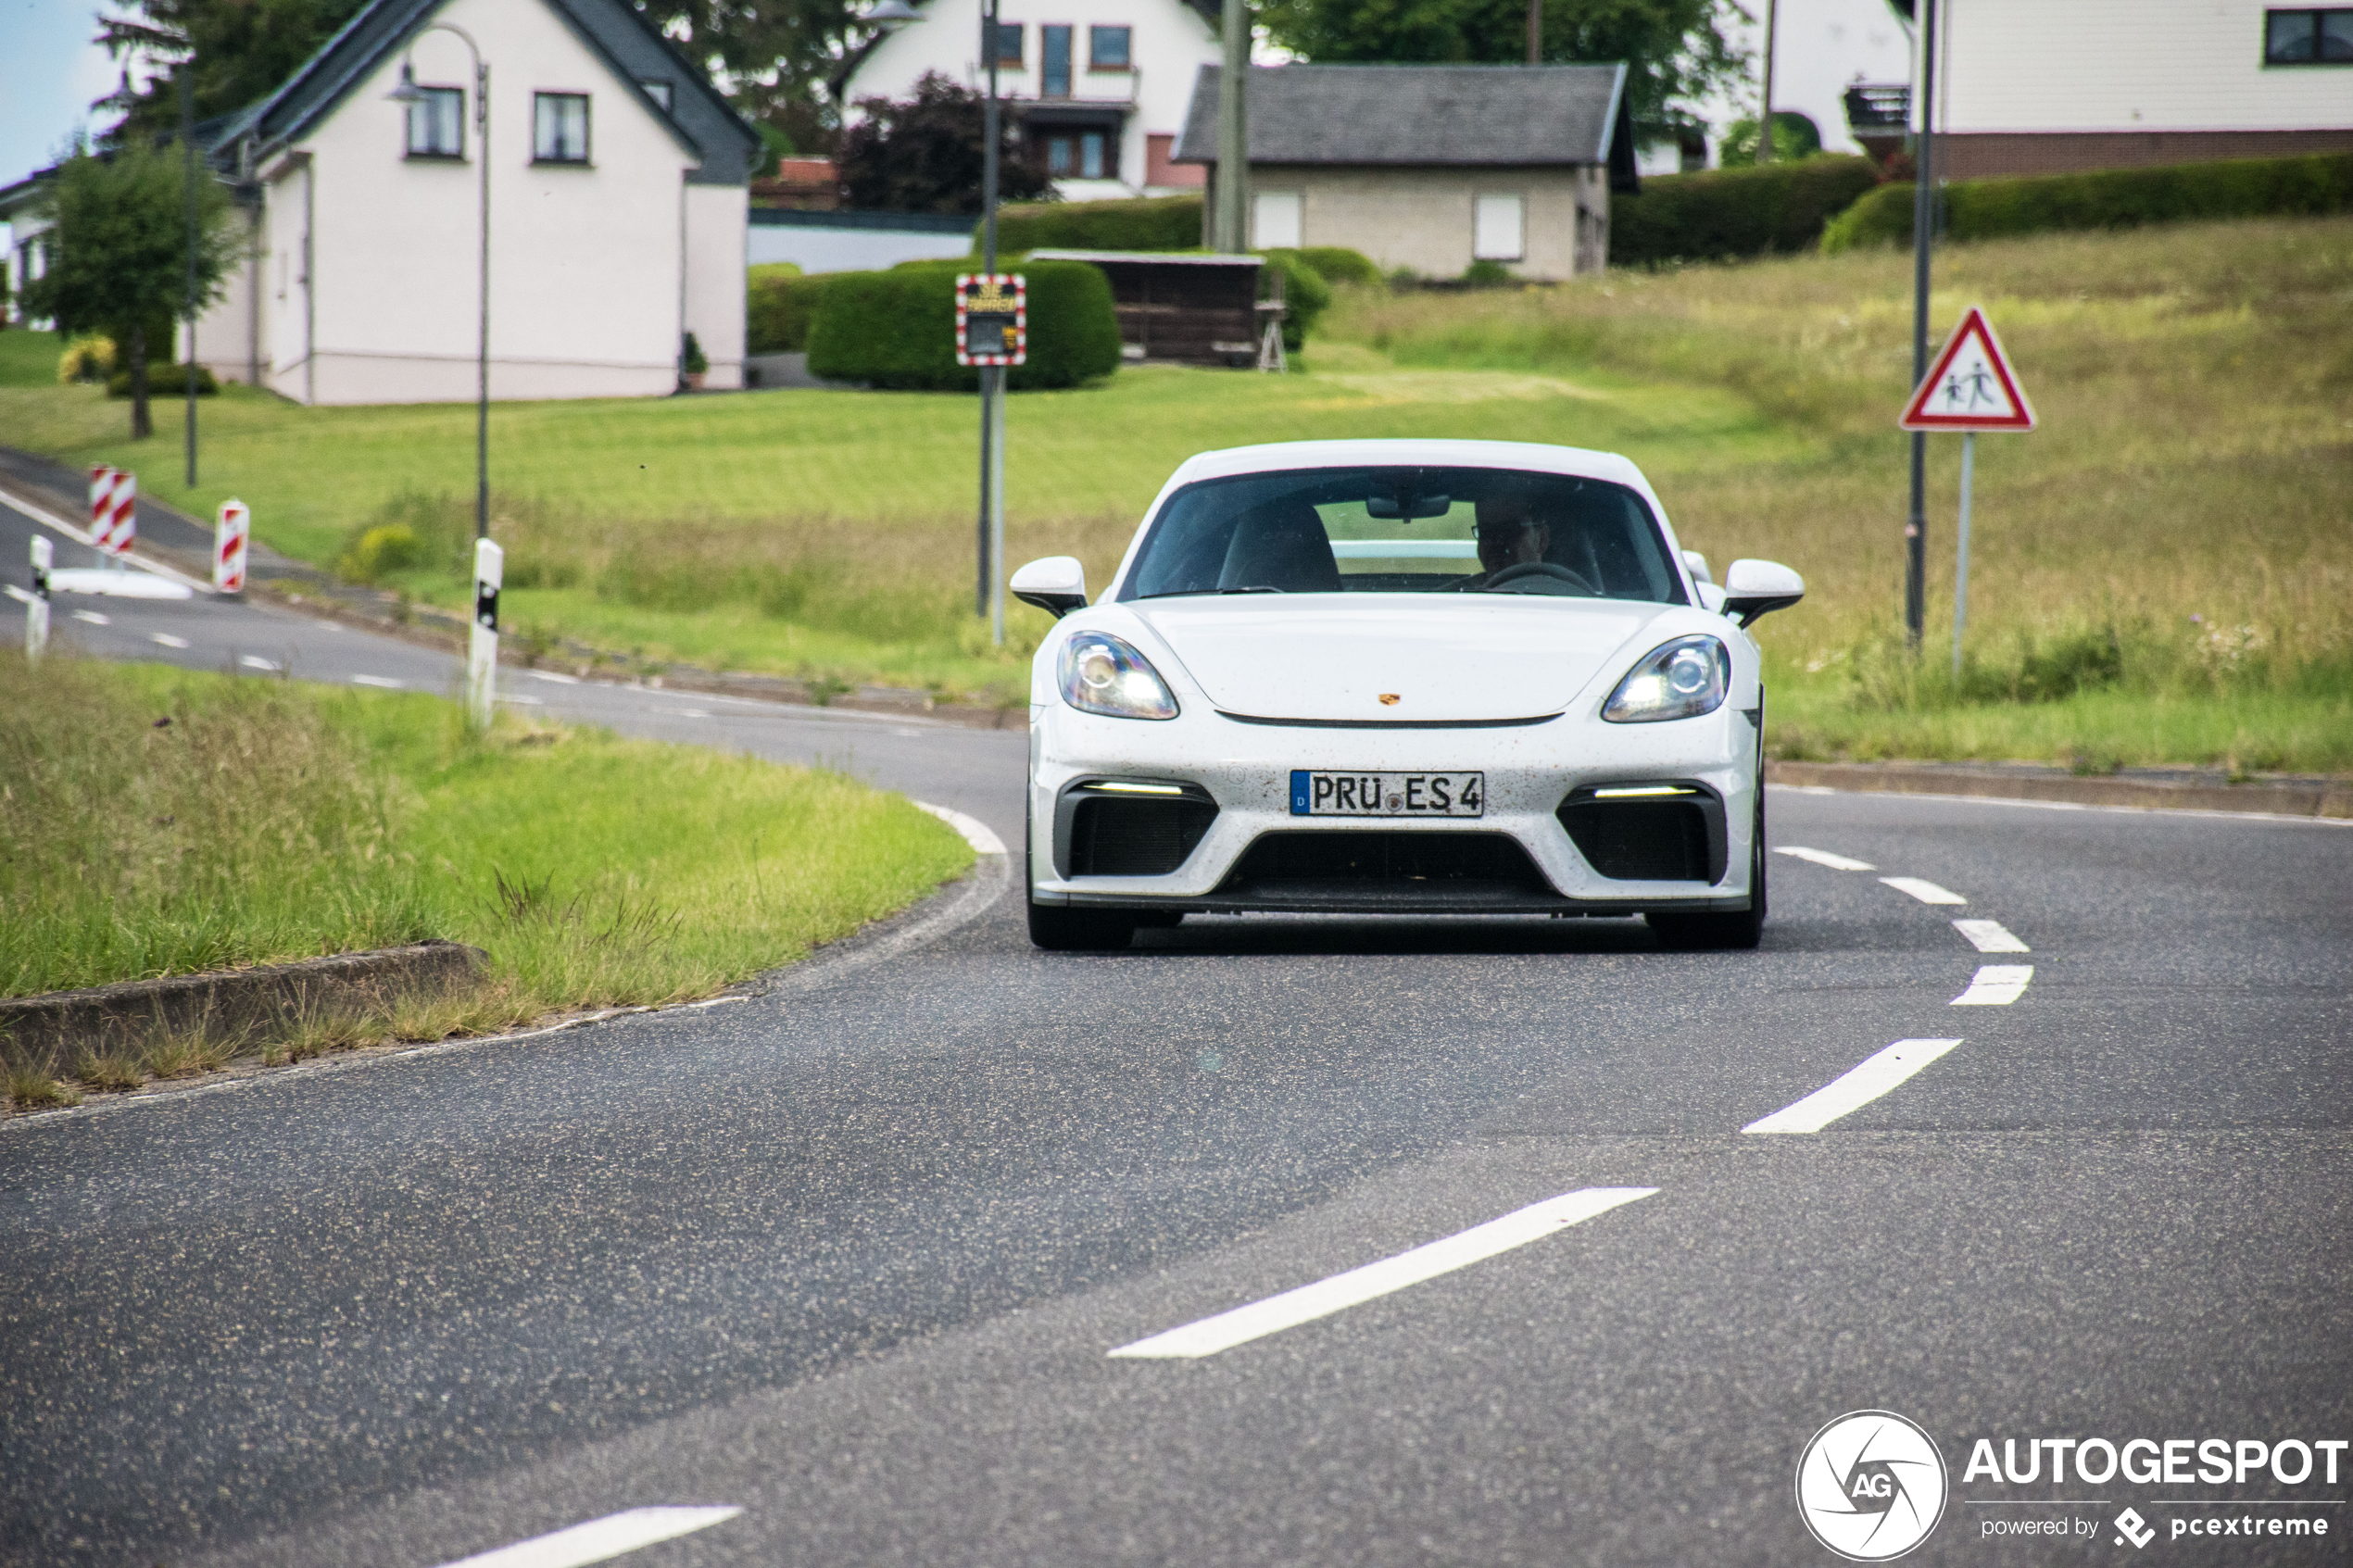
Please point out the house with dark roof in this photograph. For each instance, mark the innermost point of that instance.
(615, 223)
(1431, 167)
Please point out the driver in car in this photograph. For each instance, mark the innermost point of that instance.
(1511, 542)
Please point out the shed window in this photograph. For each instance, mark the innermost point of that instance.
(1107, 48)
(436, 126)
(1498, 225)
(560, 127)
(2308, 38)
(1275, 220)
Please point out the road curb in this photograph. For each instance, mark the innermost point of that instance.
(232, 1002)
(2331, 797)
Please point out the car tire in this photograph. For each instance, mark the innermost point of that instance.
(1061, 929)
(1738, 930)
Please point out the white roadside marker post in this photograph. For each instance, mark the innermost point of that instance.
(229, 535)
(36, 608)
(482, 647)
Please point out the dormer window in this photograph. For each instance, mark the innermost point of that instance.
(560, 128)
(437, 124)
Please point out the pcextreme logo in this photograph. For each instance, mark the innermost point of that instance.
(1871, 1486)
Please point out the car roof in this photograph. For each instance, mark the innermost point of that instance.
(1528, 456)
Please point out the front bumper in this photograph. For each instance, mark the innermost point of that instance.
(1244, 769)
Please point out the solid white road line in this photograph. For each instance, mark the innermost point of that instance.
(1326, 1297)
(694, 713)
(1996, 985)
(1989, 936)
(599, 1538)
(1858, 1088)
(253, 662)
(50, 519)
(92, 617)
(165, 639)
(551, 675)
(1824, 858)
(1926, 892)
(976, 832)
(387, 681)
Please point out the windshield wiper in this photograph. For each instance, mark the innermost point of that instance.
(1194, 593)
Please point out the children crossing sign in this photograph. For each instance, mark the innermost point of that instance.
(992, 319)
(1969, 386)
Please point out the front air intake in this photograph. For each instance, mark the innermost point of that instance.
(1469, 865)
(1667, 839)
(1118, 836)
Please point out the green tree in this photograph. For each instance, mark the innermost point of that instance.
(1677, 50)
(118, 257)
(1795, 136)
(780, 61)
(924, 155)
(236, 51)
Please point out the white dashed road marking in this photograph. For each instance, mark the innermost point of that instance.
(1996, 985)
(1989, 936)
(1824, 858)
(92, 617)
(255, 661)
(525, 701)
(165, 639)
(1926, 892)
(387, 681)
(694, 713)
(1326, 1297)
(600, 1539)
(1858, 1088)
(552, 675)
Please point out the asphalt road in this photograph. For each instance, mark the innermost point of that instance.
(852, 1259)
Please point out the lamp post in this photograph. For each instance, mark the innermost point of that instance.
(408, 92)
(993, 377)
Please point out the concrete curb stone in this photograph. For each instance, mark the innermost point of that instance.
(2180, 789)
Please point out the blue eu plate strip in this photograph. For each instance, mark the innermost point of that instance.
(1299, 792)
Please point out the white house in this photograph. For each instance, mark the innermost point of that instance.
(1097, 88)
(2034, 87)
(617, 193)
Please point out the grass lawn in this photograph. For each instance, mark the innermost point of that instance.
(270, 820)
(2178, 529)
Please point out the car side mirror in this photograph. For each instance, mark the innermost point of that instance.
(1758, 587)
(1056, 585)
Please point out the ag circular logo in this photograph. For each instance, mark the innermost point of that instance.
(1871, 1486)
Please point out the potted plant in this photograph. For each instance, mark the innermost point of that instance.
(693, 365)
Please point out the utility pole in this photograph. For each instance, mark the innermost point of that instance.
(1536, 33)
(1764, 107)
(1233, 135)
(993, 377)
(188, 149)
(1924, 223)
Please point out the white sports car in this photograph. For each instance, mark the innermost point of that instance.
(1403, 677)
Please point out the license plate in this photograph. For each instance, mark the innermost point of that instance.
(1387, 795)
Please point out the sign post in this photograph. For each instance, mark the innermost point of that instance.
(36, 608)
(229, 535)
(482, 643)
(992, 331)
(1968, 388)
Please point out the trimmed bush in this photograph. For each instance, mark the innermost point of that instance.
(1149, 223)
(778, 307)
(2112, 199)
(898, 329)
(164, 381)
(1733, 212)
(1339, 264)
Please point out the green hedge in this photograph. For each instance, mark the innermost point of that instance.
(1731, 212)
(778, 310)
(898, 329)
(1339, 264)
(164, 381)
(1151, 224)
(2112, 198)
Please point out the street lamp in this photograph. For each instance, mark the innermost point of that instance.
(408, 92)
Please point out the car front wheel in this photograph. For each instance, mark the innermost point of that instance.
(1061, 929)
(1740, 929)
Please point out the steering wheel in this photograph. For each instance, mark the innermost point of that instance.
(1538, 572)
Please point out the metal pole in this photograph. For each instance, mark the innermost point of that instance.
(1233, 133)
(1923, 220)
(1765, 108)
(481, 339)
(994, 379)
(188, 145)
(1536, 33)
(1960, 561)
(991, 131)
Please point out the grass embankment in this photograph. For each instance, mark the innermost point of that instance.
(153, 822)
(2161, 573)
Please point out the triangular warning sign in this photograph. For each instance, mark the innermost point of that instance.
(1969, 385)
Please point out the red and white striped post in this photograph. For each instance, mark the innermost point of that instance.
(36, 608)
(229, 535)
(114, 510)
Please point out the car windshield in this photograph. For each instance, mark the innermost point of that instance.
(1406, 530)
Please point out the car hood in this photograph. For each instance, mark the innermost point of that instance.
(1331, 657)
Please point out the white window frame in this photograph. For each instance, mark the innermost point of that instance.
(1278, 220)
(1499, 226)
(540, 103)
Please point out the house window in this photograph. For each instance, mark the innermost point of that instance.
(659, 91)
(560, 128)
(1009, 45)
(2308, 38)
(1107, 48)
(1497, 225)
(436, 126)
(1056, 65)
(1275, 220)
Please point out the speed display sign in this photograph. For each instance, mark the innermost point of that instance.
(992, 319)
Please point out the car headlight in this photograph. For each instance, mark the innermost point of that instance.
(1688, 677)
(1102, 674)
